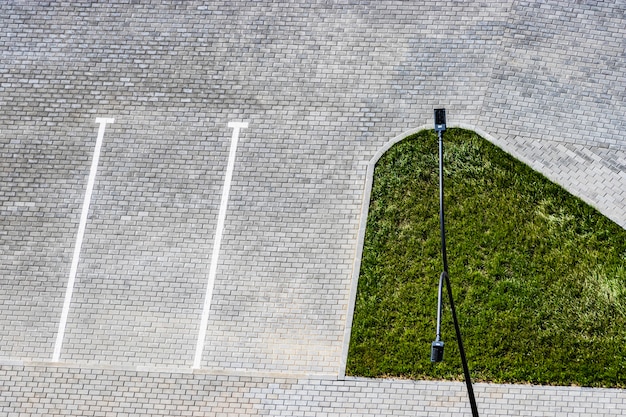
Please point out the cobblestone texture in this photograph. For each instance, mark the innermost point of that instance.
(323, 86)
(69, 391)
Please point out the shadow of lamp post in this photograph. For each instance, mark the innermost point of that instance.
(436, 353)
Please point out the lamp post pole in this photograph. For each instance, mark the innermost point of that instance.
(436, 354)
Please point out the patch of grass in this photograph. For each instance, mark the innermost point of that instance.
(539, 277)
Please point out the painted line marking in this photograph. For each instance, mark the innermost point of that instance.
(221, 218)
(79, 237)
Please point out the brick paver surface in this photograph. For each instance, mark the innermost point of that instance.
(323, 86)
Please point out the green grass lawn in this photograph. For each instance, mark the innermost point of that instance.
(539, 277)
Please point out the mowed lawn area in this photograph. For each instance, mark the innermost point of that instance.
(539, 276)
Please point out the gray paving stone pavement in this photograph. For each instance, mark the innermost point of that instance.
(323, 86)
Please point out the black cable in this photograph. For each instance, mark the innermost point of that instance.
(466, 372)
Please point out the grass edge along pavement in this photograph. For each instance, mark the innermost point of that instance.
(539, 276)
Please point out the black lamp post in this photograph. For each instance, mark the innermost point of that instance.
(436, 353)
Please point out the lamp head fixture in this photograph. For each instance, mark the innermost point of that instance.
(436, 351)
(440, 120)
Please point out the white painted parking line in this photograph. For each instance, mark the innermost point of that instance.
(79, 238)
(221, 218)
